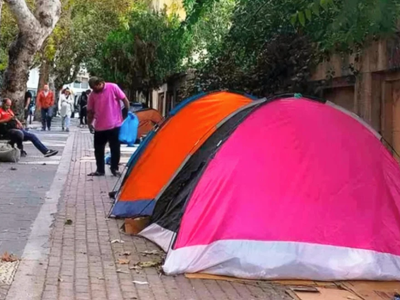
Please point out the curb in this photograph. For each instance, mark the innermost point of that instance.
(30, 276)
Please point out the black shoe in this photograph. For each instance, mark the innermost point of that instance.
(23, 153)
(51, 153)
(96, 174)
(116, 173)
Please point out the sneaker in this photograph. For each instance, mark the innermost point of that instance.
(67, 130)
(62, 129)
(23, 153)
(51, 153)
(43, 129)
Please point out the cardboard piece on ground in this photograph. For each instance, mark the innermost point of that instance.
(134, 226)
(373, 290)
(282, 282)
(214, 277)
(327, 294)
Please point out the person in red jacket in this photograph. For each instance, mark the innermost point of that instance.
(7, 118)
(45, 101)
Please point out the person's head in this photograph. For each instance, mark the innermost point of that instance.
(6, 104)
(46, 88)
(96, 84)
(88, 92)
(67, 92)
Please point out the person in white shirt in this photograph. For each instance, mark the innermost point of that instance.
(65, 106)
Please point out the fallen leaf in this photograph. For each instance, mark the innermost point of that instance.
(152, 252)
(123, 261)
(148, 264)
(68, 222)
(117, 241)
(8, 257)
(123, 272)
(60, 279)
(140, 282)
(126, 253)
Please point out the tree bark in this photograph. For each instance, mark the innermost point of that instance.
(1, 9)
(33, 30)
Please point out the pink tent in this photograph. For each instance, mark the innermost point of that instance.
(293, 188)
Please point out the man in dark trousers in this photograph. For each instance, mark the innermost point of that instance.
(82, 103)
(105, 119)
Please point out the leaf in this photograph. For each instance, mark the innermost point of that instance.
(8, 257)
(122, 272)
(315, 9)
(117, 242)
(140, 282)
(324, 4)
(123, 261)
(293, 19)
(151, 252)
(126, 253)
(302, 18)
(308, 14)
(68, 222)
(149, 264)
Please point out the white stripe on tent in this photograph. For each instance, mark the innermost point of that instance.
(158, 235)
(356, 117)
(283, 260)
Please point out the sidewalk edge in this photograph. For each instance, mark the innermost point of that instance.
(30, 277)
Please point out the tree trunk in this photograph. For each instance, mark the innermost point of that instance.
(33, 30)
(16, 76)
(1, 9)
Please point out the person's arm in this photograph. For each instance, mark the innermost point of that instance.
(28, 102)
(5, 120)
(39, 100)
(52, 99)
(90, 113)
(126, 103)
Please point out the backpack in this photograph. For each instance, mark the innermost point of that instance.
(9, 154)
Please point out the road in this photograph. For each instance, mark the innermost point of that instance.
(23, 190)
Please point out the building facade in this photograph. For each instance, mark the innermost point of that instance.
(367, 85)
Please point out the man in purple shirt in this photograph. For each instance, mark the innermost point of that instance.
(105, 119)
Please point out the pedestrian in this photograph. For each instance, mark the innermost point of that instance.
(27, 106)
(45, 102)
(105, 119)
(65, 106)
(82, 103)
(9, 122)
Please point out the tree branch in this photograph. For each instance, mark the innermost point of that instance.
(25, 18)
(48, 12)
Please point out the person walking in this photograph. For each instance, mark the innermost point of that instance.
(105, 119)
(82, 103)
(65, 106)
(45, 101)
(27, 105)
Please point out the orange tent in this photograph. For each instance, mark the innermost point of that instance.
(148, 118)
(166, 151)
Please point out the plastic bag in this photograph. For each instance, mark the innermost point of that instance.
(129, 129)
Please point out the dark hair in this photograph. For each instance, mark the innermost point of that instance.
(95, 81)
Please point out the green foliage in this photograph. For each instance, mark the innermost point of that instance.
(245, 59)
(142, 54)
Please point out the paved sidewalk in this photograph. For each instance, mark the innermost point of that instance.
(80, 262)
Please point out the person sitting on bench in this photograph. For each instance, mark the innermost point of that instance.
(9, 122)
